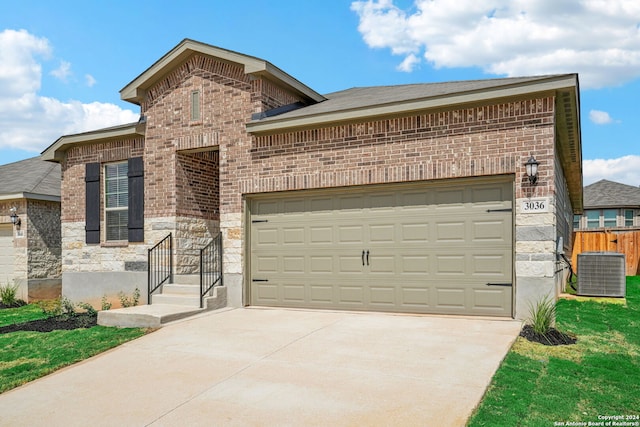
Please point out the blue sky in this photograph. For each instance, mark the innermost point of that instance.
(63, 63)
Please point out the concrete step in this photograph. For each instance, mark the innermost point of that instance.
(181, 289)
(159, 313)
(145, 316)
(187, 279)
(176, 299)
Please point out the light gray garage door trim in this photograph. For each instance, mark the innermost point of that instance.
(379, 294)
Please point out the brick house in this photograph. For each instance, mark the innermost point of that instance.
(408, 198)
(30, 248)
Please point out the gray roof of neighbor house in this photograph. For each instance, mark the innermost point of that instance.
(32, 178)
(604, 194)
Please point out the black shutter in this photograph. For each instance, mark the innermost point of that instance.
(136, 199)
(92, 202)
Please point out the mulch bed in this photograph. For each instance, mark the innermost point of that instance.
(18, 303)
(54, 323)
(553, 337)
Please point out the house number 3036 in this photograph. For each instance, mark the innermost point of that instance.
(535, 205)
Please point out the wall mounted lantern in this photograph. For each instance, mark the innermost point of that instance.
(532, 170)
(15, 219)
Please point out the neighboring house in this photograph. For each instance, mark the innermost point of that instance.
(609, 205)
(30, 249)
(610, 222)
(409, 198)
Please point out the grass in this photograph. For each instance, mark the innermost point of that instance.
(538, 385)
(26, 356)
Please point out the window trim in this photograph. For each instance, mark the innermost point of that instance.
(605, 219)
(107, 209)
(624, 216)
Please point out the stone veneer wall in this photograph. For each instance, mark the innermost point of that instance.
(37, 243)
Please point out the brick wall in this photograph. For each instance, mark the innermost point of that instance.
(73, 171)
(487, 140)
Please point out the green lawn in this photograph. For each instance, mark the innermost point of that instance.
(538, 385)
(25, 356)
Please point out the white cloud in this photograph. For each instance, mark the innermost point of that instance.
(600, 117)
(624, 169)
(32, 122)
(600, 39)
(63, 72)
(409, 63)
(90, 80)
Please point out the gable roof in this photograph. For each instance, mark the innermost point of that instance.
(134, 91)
(605, 194)
(365, 102)
(55, 152)
(31, 178)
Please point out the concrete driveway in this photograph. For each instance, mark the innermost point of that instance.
(277, 367)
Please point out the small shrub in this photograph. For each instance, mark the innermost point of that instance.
(106, 305)
(8, 294)
(51, 307)
(88, 308)
(68, 307)
(543, 315)
(132, 301)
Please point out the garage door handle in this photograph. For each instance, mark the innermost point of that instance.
(499, 284)
(362, 257)
(367, 257)
(260, 280)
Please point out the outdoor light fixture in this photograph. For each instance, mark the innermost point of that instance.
(15, 219)
(532, 170)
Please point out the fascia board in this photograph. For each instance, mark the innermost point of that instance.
(30, 196)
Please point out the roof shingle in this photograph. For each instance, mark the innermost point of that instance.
(32, 175)
(604, 193)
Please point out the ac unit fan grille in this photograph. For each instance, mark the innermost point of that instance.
(601, 274)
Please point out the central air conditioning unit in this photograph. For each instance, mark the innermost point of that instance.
(601, 274)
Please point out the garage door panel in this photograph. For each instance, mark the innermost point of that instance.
(415, 297)
(430, 250)
(494, 229)
(321, 234)
(294, 293)
(450, 297)
(293, 235)
(450, 231)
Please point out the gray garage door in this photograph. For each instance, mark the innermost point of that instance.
(437, 248)
(6, 253)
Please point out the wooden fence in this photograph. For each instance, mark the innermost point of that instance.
(622, 241)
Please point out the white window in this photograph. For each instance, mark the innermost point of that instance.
(576, 221)
(628, 218)
(610, 217)
(116, 205)
(593, 219)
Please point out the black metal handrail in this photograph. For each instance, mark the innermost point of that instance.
(210, 267)
(160, 265)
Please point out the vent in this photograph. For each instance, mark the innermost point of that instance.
(601, 274)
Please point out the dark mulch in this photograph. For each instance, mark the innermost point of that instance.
(54, 323)
(18, 303)
(553, 337)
